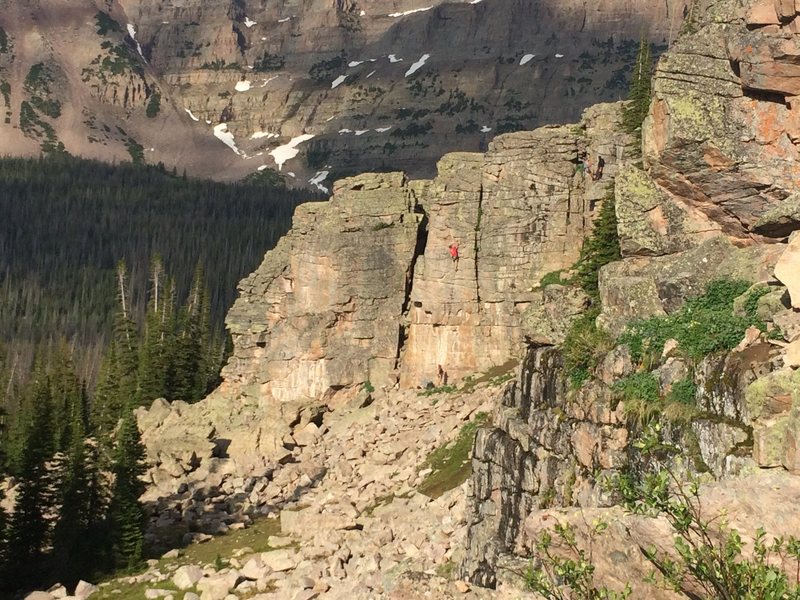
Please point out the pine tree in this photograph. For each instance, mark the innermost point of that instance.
(29, 526)
(78, 537)
(156, 346)
(192, 356)
(640, 90)
(601, 248)
(127, 516)
(106, 404)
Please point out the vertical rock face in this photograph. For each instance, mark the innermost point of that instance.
(322, 311)
(722, 135)
(366, 283)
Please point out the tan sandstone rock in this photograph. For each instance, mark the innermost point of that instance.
(788, 270)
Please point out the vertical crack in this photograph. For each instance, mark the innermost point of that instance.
(477, 243)
(419, 250)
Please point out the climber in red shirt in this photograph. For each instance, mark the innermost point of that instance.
(454, 252)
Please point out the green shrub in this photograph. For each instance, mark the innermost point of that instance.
(554, 277)
(639, 386)
(683, 392)
(269, 62)
(3, 41)
(106, 24)
(153, 105)
(368, 387)
(703, 325)
(584, 346)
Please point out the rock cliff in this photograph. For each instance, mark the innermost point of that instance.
(363, 290)
(362, 302)
(396, 84)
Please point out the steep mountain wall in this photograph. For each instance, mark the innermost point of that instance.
(363, 289)
(389, 85)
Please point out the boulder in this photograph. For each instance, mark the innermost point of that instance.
(551, 313)
(187, 576)
(39, 596)
(217, 587)
(281, 560)
(58, 591)
(84, 589)
(763, 13)
(255, 569)
(787, 270)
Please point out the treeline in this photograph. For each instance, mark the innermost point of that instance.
(67, 221)
(76, 457)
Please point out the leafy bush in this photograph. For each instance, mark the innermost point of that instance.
(707, 561)
(552, 278)
(3, 41)
(703, 325)
(639, 386)
(584, 345)
(683, 392)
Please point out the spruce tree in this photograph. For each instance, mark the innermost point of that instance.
(29, 526)
(601, 248)
(638, 105)
(192, 355)
(127, 516)
(155, 346)
(78, 537)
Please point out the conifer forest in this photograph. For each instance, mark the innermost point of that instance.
(114, 282)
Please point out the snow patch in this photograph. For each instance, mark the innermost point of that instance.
(288, 151)
(248, 22)
(409, 12)
(393, 58)
(262, 167)
(343, 131)
(338, 81)
(284, 19)
(355, 63)
(242, 86)
(263, 134)
(383, 129)
(559, 56)
(475, 1)
(317, 180)
(370, 74)
(226, 137)
(526, 59)
(417, 65)
(363, 13)
(208, 122)
(191, 114)
(361, 131)
(266, 81)
(291, 174)
(132, 33)
(486, 129)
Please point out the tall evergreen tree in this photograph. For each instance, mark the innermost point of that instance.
(29, 526)
(127, 516)
(154, 352)
(192, 354)
(78, 537)
(640, 90)
(601, 248)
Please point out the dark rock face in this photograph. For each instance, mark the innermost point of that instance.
(552, 447)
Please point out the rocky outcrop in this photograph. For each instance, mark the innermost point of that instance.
(722, 135)
(364, 291)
